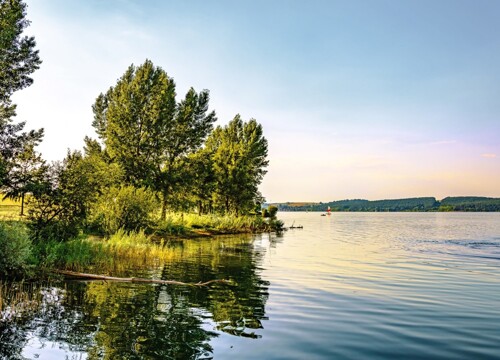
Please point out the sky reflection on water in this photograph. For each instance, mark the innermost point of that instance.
(348, 286)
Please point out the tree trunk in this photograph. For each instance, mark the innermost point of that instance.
(137, 280)
(164, 207)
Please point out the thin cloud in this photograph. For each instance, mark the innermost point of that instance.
(489, 156)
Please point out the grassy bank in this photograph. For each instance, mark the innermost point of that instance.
(38, 261)
(192, 225)
(101, 255)
(25, 258)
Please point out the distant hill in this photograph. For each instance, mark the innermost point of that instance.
(460, 203)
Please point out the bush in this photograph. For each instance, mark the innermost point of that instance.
(56, 230)
(15, 249)
(124, 208)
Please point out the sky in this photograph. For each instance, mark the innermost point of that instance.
(365, 99)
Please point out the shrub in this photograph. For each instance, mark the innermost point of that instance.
(273, 210)
(15, 249)
(54, 230)
(124, 207)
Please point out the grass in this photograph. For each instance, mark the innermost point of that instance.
(117, 253)
(18, 300)
(124, 250)
(121, 252)
(194, 224)
(9, 209)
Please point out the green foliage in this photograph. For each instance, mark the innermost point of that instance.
(460, 203)
(471, 203)
(239, 157)
(122, 249)
(211, 224)
(123, 207)
(147, 132)
(25, 175)
(133, 119)
(411, 204)
(18, 59)
(445, 208)
(276, 225)
(273, 210)
(15, 249)
(59, 208)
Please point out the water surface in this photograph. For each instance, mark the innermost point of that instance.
(347, 286)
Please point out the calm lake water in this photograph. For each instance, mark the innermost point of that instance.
(347, 286)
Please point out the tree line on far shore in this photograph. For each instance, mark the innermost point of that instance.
(458, 203)
(154, 151)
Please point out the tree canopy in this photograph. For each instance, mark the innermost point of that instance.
(18, 60)
(18, 56)
(147, 131)
(239, 157)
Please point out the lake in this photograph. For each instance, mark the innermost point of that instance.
(346, 286)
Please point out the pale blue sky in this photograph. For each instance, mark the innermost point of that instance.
(358, 99)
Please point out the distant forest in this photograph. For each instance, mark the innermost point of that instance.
(460, 203)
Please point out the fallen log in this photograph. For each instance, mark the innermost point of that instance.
(136, 280)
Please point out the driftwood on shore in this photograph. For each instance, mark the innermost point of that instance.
(136, 280)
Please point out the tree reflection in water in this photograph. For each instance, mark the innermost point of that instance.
(109, 320)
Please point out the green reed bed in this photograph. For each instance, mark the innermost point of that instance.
(27, 258)
(104, 255)
(189, 224)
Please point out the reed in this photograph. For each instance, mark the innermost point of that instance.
(186, 224)
(19, 300)
(117, 253)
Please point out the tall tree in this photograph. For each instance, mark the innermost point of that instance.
(201, 180)
(18, 59)
(146, 131)
(26, 175)
(131, 117)
(239, 156)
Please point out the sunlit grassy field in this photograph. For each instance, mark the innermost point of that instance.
(9, 209)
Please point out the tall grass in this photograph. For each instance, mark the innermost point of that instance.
(185, 224)
(18, 299)
(117, 253)
(15, 248)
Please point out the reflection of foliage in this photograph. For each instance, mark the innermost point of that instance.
(111, 320)
(234, 308)
(12, 341)
(142, 321)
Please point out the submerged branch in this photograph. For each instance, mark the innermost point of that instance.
(136, 280)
